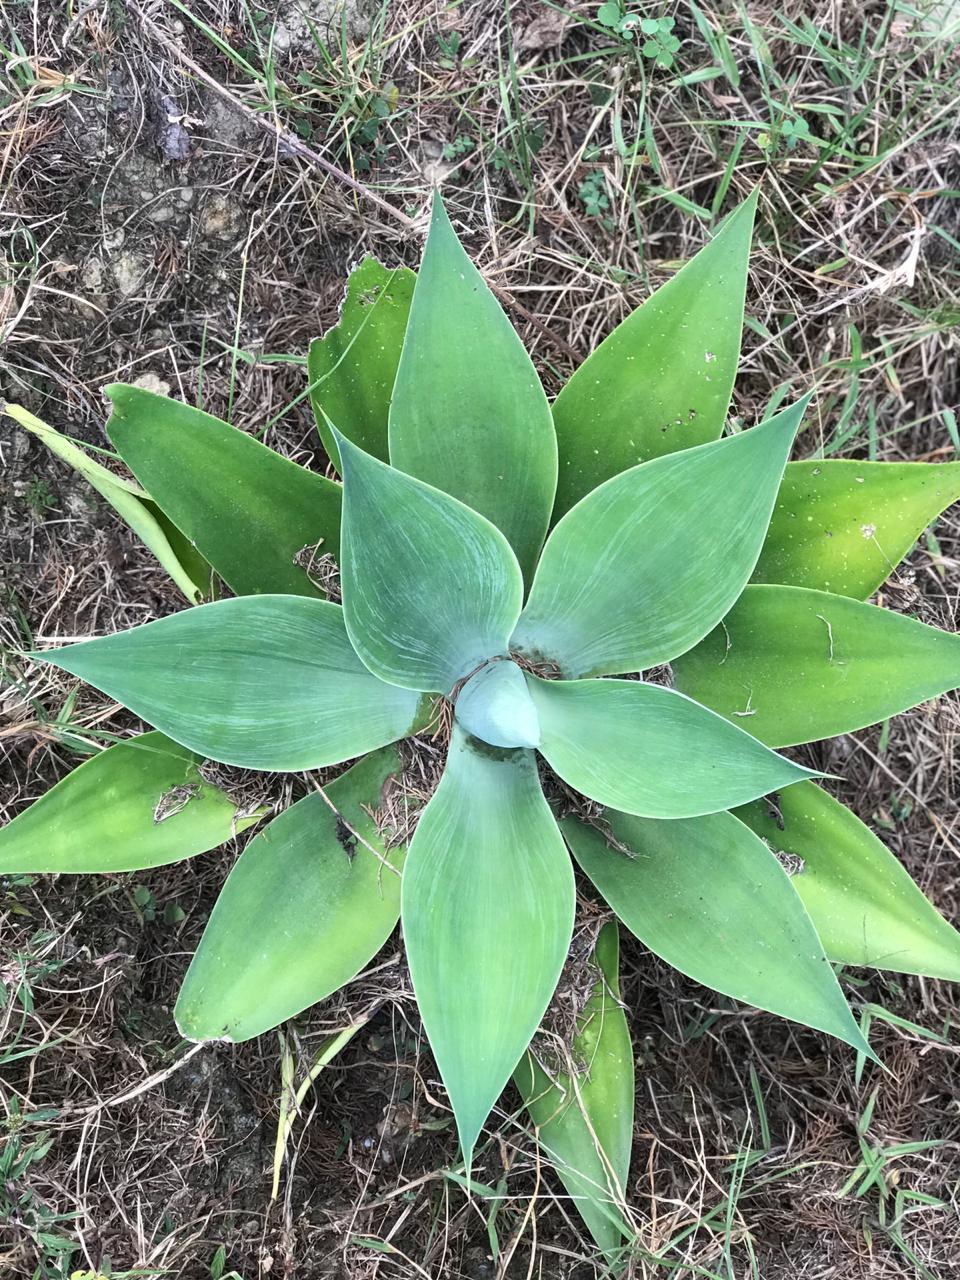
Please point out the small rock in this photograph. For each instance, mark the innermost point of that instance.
(150, 382)
(128, 271)
(91, 275)
(220, 217)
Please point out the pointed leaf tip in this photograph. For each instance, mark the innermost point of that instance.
(661, 382)
(796, 665)
(302, 911)
(487, 905)
(353, 366)
(648, 750)
(248, 510)
(645, 565)
(200, 677)
(468, 414)
(408, 550)
(140, 803)
(710, 898)
(863, 904)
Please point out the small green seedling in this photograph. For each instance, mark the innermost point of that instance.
(593, 192)
(618, 612)
(659, 42)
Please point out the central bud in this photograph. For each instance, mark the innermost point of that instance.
(495, 706)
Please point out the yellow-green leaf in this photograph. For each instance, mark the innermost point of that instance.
(184, 565)
(844, 526)
(583, 1108)
(791, 665)
(312, 898)
(662, 380)
(862, 902)
(140, 803)
(353, 367)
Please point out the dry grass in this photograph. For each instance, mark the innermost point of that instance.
(156, 226)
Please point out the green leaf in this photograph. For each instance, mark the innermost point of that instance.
(706, 895)
(792, 665)
(468, 413)
(645, 565)
(487, 905)
(495, 706)
(649, 750)
(352, 368)
(140, 803)
(662, 380)
(131, 503)
(584, 1116)
(843, 526)
(431, 590)
(862, 902)
(306, 906)
(266, 682)
(249, 511)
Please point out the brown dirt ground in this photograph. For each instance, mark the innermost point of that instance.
(149, 223)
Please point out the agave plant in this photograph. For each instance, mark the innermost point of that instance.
(518, 566)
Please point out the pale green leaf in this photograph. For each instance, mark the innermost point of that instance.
(487, 905)
(791, 665)
(249, 511)
(131, 503)
(306, 906)
(662, 380)
(468, 413)
(649, 750)
(431, 590)
(844, 526)
(644, 566)
(862, 902)
(266, 682)
(583, 1108)
(495, 706)
(352, 368)
(140, 803)
(706, 895)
